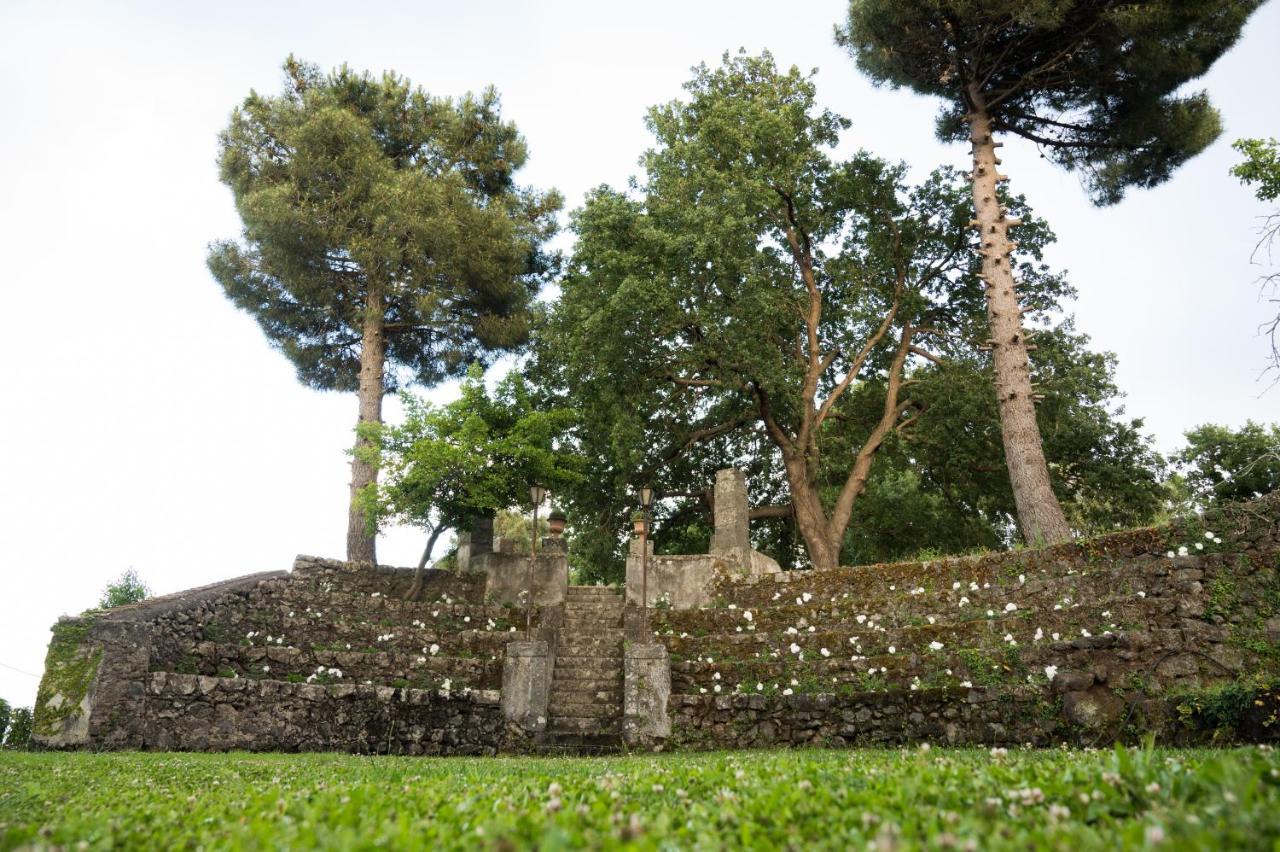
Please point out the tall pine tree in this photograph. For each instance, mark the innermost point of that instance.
(1095, 84)
(385, 239)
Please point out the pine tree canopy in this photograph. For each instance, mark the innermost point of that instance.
(347, 182)
(1095, 83)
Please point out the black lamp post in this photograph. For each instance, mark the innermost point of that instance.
(646, 501)
(536, 495)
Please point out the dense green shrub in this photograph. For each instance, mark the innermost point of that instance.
(19, 734)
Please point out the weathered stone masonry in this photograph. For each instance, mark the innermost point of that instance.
(330, 656)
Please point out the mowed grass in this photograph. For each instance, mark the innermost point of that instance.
(886, 799)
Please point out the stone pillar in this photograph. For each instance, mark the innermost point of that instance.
(526, 684)
(646, 687)
(732, 522)
(482, 535)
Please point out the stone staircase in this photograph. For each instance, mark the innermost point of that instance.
(585, 712)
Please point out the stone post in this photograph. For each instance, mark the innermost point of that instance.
(732, 522)
(646, 686)
(526, 684)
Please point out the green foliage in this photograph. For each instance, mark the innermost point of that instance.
(1220, 709)
(364, 199)
(19, 733)
(695, 329)
(1261, 166)
(444, 465)
(1097, 86)
(125, 589)
(6, 714)
(810, 799)
(1224, 465)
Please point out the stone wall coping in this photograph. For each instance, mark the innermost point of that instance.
(646, 651)
(526, 648)
(153, 608)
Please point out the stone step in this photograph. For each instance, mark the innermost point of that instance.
(611, 699)
(580, 646)
(560, 708)
(588, 668)
(588, 684)
(593, 605)
(589, 591)
(583, 725)
(591, 623)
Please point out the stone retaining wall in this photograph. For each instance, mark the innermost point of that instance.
(198, 713)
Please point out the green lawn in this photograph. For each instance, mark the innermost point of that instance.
(800, 799)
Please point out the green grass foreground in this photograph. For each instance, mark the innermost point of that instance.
(894, 799)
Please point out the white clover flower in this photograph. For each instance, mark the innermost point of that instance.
(955, 586)
(759, 687)
(786, 691)
(935, 645)
(860, 619)
(266, 668)
(435, 649)
(966, 684)
(892, 650)
(747, 614)
(807, 597)
(931, 619)
(893, 588)
(1011, 607)
(990, 613)
(1050, 671)
(799, 601)
(1182, 551)
(1199, 545)
(1008, 637)
(1085, 633)
(1055, 636)
(973, 587)
(795, 649)
(964, 601)
(716, 687)
(1142, 594)
(1022, 578)
(824, 652)
(715, 676)
(1209, 536)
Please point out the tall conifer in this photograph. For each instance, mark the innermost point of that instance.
(1094, 83)
(385, 239)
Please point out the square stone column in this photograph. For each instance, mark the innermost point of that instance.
(526, 684)
(732, 522)
(646, 686)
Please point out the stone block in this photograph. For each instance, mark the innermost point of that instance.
(646, 687)
(526, 684)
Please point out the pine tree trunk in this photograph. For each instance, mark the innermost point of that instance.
(810, 518)
(1040, 516)
(361, 545)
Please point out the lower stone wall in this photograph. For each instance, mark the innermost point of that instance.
(199, 713)
(973, 717)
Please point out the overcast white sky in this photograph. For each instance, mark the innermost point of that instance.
(148, 424)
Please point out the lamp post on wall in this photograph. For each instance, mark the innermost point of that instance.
(646, 501)
(536, 495)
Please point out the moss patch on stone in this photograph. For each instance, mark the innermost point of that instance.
(69, 669)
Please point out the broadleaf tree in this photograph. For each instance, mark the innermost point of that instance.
(1096, 84)
(385, 239)
(754, 285)
(445, 465)
(1261, 170)
(1223, 465)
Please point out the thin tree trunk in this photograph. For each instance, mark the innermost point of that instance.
(361, 544)
(416, 588)
(1040, 516)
